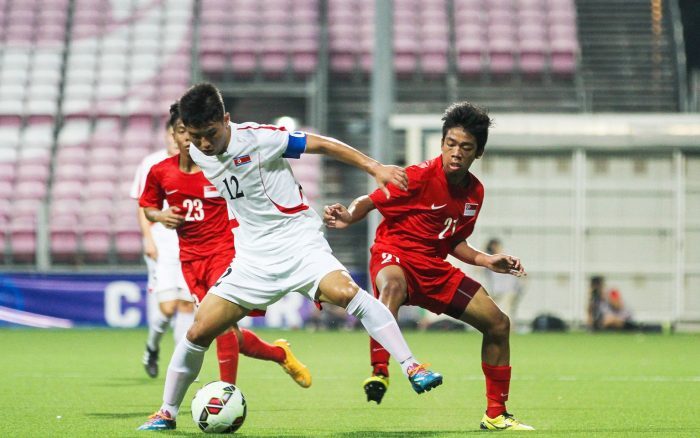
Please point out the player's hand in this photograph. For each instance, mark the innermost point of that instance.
(149, 249)
(170, 217)
(391, 174)
(336, 216)
(506, 264)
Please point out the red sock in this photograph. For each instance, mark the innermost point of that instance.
(379, 357)
(227, 353)
(497, 387)
(253, 346)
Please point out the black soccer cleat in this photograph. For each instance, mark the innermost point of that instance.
(150, 362)
(375, 388)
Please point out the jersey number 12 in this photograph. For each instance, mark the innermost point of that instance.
(237, 192)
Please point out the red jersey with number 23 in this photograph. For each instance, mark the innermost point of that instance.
(207, 227)
(431, 217)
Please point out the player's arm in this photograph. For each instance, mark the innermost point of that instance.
(337, 216)
(383, 174)
(167, 217)
(149, 245)
(501, 263)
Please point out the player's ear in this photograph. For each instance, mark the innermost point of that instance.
(227, 118)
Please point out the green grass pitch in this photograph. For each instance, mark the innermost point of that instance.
(90, 383)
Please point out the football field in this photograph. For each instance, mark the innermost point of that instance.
(91, 383)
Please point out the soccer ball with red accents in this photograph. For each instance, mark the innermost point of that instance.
(219, 407)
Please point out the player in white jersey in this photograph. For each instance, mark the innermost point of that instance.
(162, 256)
(280, 247)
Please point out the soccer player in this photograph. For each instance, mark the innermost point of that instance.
(421, 226)
(199, 215)
(165, 279)
(280, 246)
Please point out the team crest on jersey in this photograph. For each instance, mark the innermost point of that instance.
(470, 209)
(211, 192)
(241, 160)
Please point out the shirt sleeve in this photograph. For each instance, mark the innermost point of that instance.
(400, 201)
(153, 194)
(275, 142)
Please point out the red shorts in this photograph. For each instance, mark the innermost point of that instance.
(433, 283)
(202, 274)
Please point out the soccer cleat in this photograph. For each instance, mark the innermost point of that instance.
(293, 366)
(375, 387)
(422, 379)
(505, 421)
(150, 362)
(161, 420)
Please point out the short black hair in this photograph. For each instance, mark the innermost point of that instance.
(471, 118)
(491, 245)
(174, 114)
(201, 105)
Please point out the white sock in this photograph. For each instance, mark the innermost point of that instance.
(183, 369)
(183, 321)
(381, 325)
(158, 326)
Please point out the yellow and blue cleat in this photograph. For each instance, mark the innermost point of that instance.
(375, 387)
(293, 366)
(422, 379)
(161, 420)
(505, 421)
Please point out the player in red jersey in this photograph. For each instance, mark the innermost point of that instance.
(200, 216)
(421, 226)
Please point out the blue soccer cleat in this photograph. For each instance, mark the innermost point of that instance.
(161, 420)
(422, 379)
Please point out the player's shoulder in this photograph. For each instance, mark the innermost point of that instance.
(423, 171)
(165, 165)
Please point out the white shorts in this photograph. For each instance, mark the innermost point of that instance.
(165, 280)
(253, 285)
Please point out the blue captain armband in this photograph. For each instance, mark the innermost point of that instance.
(296, 145)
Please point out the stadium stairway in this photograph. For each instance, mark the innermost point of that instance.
(628, 61)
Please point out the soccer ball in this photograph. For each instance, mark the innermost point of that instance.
(219, 407)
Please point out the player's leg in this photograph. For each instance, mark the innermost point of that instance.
(390, 285)
(279, 351)
(338, 288)
(184, 317)
(214, 316)
(185, 305)
(227, 351)
(156, 329)
(484, 315)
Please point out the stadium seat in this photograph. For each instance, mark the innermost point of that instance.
(64, 239)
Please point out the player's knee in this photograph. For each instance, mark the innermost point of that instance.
(392, 294)
(199, 335)
(500, 326)
(344, 295)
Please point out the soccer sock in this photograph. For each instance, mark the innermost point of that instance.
(497, 387)
(227, 353)
(253, 346)
(183, 369)
(183, 321)
(156, 329)
(379, 357)
(381, 325)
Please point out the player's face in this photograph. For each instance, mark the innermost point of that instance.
(181, 137)
(170, 145)
(458, 151)
(213, 138)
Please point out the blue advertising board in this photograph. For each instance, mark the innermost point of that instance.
(108, 299)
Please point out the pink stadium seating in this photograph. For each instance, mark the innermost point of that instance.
(64, 239)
